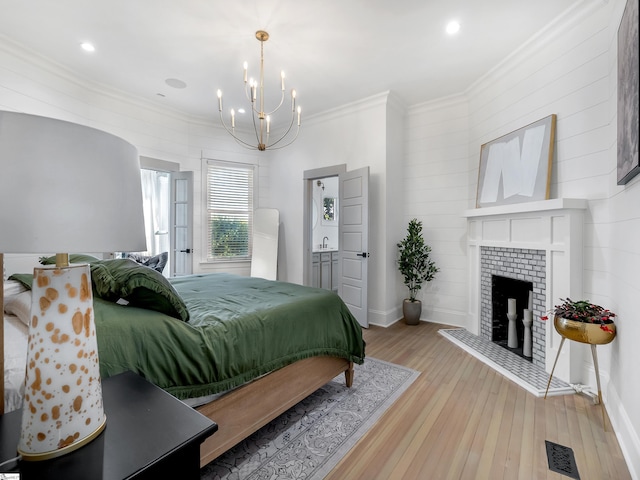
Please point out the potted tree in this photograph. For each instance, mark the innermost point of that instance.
(416, 267)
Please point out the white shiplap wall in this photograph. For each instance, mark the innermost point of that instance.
(570, 70)
(613, 267)
(353, 135)
(436, 193)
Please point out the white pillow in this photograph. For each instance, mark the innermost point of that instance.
(20, 306)
(13, 287)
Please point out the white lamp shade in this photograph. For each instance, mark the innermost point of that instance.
(67, 188)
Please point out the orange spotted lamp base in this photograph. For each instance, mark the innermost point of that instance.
(62, 408)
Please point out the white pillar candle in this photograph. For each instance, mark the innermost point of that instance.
(527, 343)
(511, 305)
(530, 306)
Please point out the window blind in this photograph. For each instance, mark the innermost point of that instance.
(229, 211)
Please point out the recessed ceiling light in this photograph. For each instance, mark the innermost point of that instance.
(241, 110)
(453, 27)
(87, 47)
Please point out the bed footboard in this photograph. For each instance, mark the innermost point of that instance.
(248, 408)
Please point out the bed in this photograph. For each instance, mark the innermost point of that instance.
(240, 350)
(16, 333)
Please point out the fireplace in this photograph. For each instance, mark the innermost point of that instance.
(539, 243)
(509, 292)
(526, 268)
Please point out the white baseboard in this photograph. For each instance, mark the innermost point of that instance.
(628, 437)
(435, 315)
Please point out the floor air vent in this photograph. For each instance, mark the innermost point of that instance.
(561, 460)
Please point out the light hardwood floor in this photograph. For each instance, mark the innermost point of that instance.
(463, 420)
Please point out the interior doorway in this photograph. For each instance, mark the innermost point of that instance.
(168, 213)
(336, 231)
(155, 201)
(314, 228)
(324, 214)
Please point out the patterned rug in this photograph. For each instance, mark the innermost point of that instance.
(309, 439)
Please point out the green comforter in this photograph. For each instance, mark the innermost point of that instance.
(239, 329)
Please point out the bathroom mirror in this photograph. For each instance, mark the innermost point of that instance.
(329, 209)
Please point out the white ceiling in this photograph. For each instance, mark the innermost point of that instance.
(333, 51)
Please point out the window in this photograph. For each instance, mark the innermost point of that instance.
(229, 211)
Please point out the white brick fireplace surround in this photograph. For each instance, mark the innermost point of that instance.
(552, 228)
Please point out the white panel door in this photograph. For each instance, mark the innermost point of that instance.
(354, 242)
(181, 218)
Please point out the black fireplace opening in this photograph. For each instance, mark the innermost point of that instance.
(503, 289)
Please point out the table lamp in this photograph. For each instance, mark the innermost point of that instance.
(64, 188)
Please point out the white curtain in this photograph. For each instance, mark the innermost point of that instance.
(155, 198)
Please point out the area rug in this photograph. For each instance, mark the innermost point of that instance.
(310, 439)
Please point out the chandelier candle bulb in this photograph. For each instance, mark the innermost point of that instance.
(220, 100)
(245, 71)
(233, 118)
(282, 79)
(299, 110)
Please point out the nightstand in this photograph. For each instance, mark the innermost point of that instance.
(149, 434)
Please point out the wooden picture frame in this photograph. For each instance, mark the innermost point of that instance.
(628, 165)
(516, 168)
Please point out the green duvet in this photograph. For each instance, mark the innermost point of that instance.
(238, 329)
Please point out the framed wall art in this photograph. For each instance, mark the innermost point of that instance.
(628, 78)
(516, 168)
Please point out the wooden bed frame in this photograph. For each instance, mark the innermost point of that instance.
(248, 408)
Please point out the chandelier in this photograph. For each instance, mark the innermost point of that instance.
(254, 91)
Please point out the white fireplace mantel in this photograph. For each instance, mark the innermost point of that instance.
(523, 208)
(553, 226)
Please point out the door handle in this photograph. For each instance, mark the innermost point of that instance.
(363, 254)
(188, 250)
